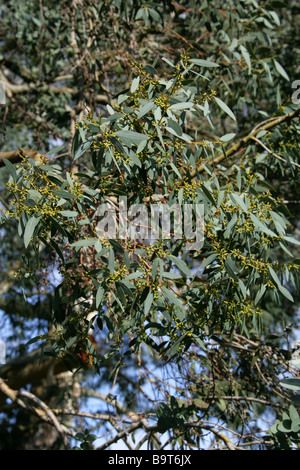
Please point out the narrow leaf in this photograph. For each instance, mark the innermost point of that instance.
(29, 229)
(281, 70)
(148, 302)
(171, 297)
(99, 295)
(11, 169)
(292, 384)
(181, 265)
(145, 109)
(225, 108)
(204, 63)
(135, 84)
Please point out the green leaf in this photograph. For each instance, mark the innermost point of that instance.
(168, 62)
(54, 246)
(36, 195)
(135, 159)
(180, 106)
(151, 70)
(281, 70)
(84, 242)
(181, 265)
(274, 276)
(227, 137)
(225, 108)
(204, 63)
(115, 117)
(69, 213)
(154, 268)
(282, 289)
(145, 109)
(111, 261)
(295, 363)
(64, 194)
(175, 169)
(11, 169)
(231, 268)
(169, 275)
(258, 224)
(117, 144)
(208, 194)
(260, 294)
(29, 229)
(246, 56)
(286, 293)
(175, 127)
(83, 147)
(243, 288)
(135, 84)
(99, 295)
(155, 15)
(133, 275)
(56, 149)
(291, 240)
(116, 245)
(173, 299)
(207, 261)
(173, 349)
(35, 339)
(131, 136)
(291, 384)
(148, 302)
(239, 200)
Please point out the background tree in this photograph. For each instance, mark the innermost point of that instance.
(155, 102)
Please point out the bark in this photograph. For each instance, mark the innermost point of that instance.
(17, 155)
(32, 369)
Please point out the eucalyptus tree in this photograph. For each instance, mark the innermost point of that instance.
(150, 171)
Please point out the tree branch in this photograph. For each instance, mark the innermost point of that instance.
(16, 156)
(49, 414)
(29, 369)
(272, 153)
(43, 411)
(236, 149)
(125, 432)
(42, 87)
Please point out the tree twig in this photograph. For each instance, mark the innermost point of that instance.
(43, 411)
(272, 153)
(49, 413)
(235, 149)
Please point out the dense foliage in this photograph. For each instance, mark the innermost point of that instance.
(179, 124)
